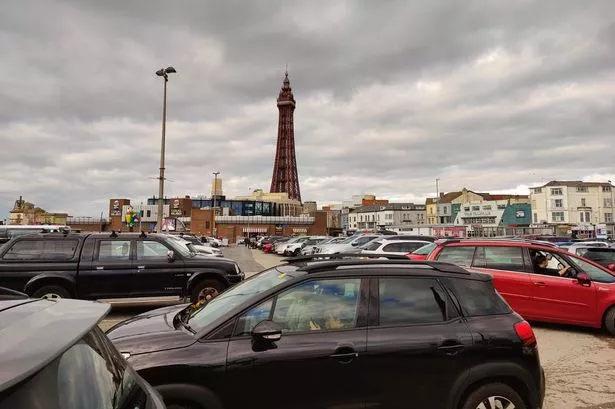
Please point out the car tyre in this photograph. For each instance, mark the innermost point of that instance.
(297, 252)
(51, 292)
(206, 288)
(609, 321)
(492, 396)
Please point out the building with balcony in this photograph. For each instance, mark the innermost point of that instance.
(441, 210)
(574, 207)
(392, 215)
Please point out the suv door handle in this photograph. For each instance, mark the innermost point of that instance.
(344, 355)
(540, 284)
(451, 349)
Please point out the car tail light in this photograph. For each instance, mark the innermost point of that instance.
(409, 256)
(526, 334)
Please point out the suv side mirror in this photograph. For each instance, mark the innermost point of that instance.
(584, 279)
(354, 244)
(266, 332)
(171, 256)
(611, 267)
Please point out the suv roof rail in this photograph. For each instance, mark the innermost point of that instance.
(9, 294)
(335, 263)
(339, 256)
(496, 239)
(326, 261)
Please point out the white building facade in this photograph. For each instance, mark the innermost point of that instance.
(583, 206)
(388, 216)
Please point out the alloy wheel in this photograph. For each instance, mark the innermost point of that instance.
(496, 402)
(51, 296)
(208, 293)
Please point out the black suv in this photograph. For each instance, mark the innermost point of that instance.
(110, 265)
(54, 356)
(342, 331)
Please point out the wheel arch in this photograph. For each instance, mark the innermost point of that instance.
(187, 392)
(199, 276)
(506, 373)
(608, 310)
(41, 280)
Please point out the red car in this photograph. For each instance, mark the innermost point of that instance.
(423, 252)
(267, 248)
(584, 294)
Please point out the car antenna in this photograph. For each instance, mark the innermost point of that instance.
(142, 235)
(113, 234)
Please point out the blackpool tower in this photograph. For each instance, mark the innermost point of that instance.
(285, 177)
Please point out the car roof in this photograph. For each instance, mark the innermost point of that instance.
(363, 264)
(497, 242)
(36, 331)
(393, 240)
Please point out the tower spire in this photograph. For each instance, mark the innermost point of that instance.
(285, 176)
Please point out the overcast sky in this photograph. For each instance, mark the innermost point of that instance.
(391, 94)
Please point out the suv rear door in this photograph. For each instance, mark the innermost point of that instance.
(106, 267)
(417, 343)
(510, 270)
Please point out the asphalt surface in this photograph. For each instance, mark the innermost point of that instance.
(579, 363)
(125, 308)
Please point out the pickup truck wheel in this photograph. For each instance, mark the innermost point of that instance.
(609, 320)
(51, 292)
(494, 396)
(206, 290)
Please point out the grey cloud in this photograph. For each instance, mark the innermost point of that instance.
(80, 105)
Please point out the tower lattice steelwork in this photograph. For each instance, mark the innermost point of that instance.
(285, 177)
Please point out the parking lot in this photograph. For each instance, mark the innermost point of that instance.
(579, 363)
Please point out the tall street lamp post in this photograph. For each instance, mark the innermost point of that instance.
(213, 213)
(164, 73)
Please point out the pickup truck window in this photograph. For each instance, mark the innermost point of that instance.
(147, 250)
(51, 249)
(114, 250)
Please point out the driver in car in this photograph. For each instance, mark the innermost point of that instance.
(542, 267)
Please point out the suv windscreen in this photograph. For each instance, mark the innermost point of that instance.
(371, 246)
(426, 249)
(241, 293)
(90, 374)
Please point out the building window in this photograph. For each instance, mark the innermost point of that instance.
(582, 189)
(444, 210)
(557, 216)
(207, 224)
(583, 202)
(535, 217)
(141, 213)
(585, 217)
(558, 203)
(475, 208)
(487, 207)
(466, 209)
(537, 190)
(556, 191)
(501, 206)
(608, 217)
(149, 213)
(533, 203)
(606, 188)
(608, 203)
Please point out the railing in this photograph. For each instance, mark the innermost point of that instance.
(86, 220)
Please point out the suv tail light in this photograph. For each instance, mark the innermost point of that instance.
(526, 334)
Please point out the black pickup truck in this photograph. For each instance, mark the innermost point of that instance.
(111, 265)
